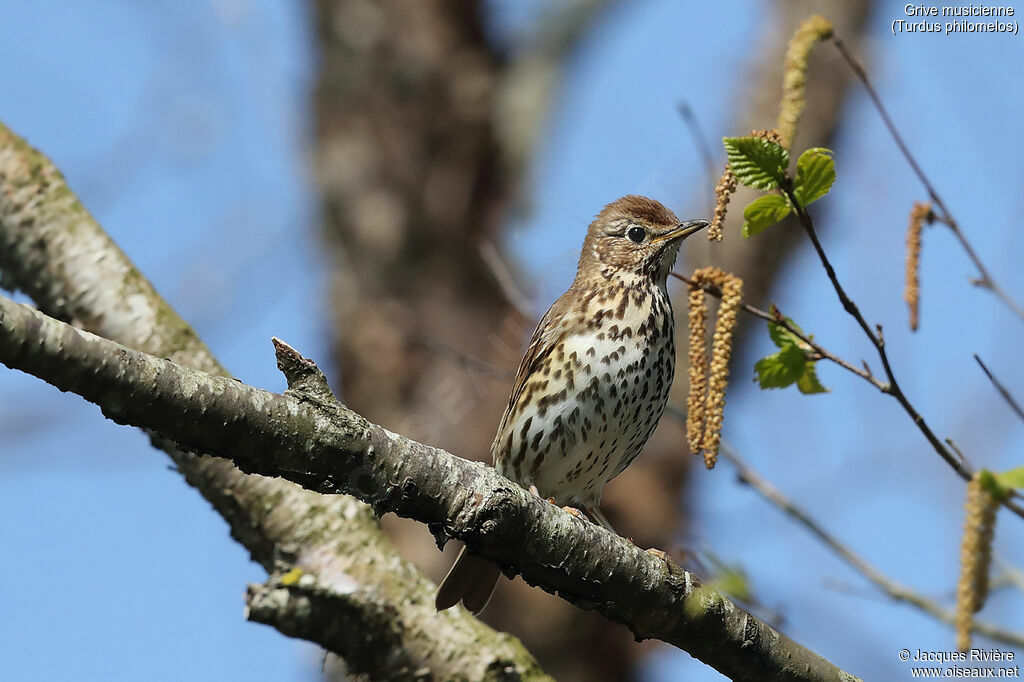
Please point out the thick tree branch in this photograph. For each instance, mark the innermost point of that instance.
(53, 250)
(309, 438)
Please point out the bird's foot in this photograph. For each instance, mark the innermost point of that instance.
(673, 566)
(573, 510)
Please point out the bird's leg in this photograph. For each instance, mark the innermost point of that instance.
(595, 513)
(653, 551)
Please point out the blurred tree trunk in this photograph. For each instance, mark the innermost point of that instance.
(415, 167)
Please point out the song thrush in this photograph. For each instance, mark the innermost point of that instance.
(593, 383)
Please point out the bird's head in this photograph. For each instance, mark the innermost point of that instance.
(635, 237)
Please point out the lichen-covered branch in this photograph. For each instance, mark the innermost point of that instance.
(54, 251)
(308, 437)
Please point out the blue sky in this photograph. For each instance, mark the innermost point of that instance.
(182, 127)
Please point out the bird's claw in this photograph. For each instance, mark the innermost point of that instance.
(573, 510)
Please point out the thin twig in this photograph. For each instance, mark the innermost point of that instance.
(1013, 575)
(889, 387)
(876, 338)
(506, 282)
(945, 216)
(1002, 389)
(958, 451)
(892, 588)
(776, 317)
(701, 143)
(467, 361)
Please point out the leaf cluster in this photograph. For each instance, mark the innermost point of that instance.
(791, 364)
(1001, 486)
(762, 164)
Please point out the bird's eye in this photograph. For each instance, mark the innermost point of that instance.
(636, 234)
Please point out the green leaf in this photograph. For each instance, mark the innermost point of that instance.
(763, 212)
(782, 337)
(781, 369)
(791, 364)
(756, 162)
(989, 482)
(815, 173)
(1014, 478)
(808, 383)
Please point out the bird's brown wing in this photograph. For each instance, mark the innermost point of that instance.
(551, 329)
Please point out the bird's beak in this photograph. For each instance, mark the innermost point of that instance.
(684, 230)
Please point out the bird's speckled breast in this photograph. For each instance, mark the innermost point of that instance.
(588, 410)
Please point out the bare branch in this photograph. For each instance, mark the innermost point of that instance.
(944, 216)
(309, 438)
(506, 282)
(700, 143)
(959, 464)
(778, 318)
(890, 387)
(468, 362)
(890, 587)
(1014, 405)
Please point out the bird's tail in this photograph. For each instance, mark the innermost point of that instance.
(472, 581)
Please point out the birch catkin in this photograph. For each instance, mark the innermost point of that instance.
(794, 80)
(698, 371)
(723, 192)
(706, 400)
(975, 558)
(912, 289)
(721, 352)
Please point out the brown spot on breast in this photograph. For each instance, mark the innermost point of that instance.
(620, 311)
